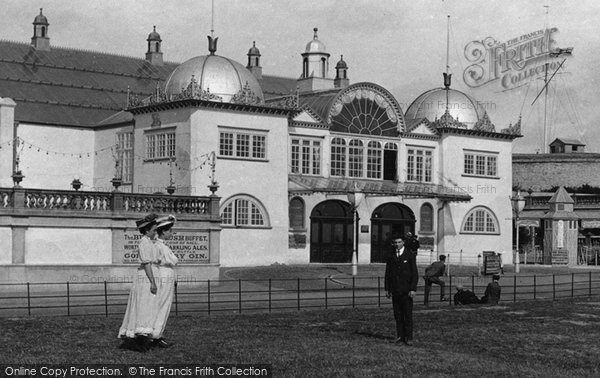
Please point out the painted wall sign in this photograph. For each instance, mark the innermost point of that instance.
(189, 247)
(512, 63)
(560, 256)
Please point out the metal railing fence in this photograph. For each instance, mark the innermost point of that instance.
(270, 295)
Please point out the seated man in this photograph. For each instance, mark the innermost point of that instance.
(432, 276)
(464, 296)
(492, 291)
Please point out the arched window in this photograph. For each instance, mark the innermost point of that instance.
(244, 211)
(480, 220)
(43, 31)
(426, 218)
(305, 68)
(323, 67)
(297, 214)
(355, 158)
(338, 157)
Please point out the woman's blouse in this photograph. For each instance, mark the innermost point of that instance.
(166, 255)
(147, 251)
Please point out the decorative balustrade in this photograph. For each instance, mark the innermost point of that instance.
(6, 198)
(163, 204)
(104, 203)
(67, 200)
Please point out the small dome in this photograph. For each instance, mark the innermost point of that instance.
(253, 50)
(315, 46)
(218, 75)
(341, 64)
(432, 105)
(154, 36)
(40, 19)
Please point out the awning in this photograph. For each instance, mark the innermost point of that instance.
(306, 185)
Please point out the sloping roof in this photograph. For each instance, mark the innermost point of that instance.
(568, 141)
(310, 184)
(72, 87)
(319, 103)
(561, 196)
(82, 88)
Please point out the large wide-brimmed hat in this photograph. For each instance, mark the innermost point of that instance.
(166, 221)
(146, 222)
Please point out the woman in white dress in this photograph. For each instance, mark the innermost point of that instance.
(165, 279)
(138, 323)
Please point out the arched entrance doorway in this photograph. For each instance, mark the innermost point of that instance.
(386, 220)
(331, 231)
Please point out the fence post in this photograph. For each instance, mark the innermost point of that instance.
(515, 288)
(208, 294)
(105, 299)
(298, 293)
(68, 301)
(28, 299)
(176, 299)
(240, 296)
(553, 287)
(534, 287)
(449, 289)
(572, 285)
(378, 291)
(326, 293)
(590, 284)
(353, 289)
(270, 293)
(473, 283)
(461, 258)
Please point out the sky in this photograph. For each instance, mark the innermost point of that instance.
(398, 44)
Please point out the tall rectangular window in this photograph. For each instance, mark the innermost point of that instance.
(226, 144)
(374, 160)
(125, 156)
(355, 158)
(305, 156)
(481, 164)
(338, 157)
(419, 165)
(243, 144)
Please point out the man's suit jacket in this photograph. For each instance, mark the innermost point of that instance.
(401, 274)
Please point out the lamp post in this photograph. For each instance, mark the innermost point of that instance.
(355, 197)
(518, 203)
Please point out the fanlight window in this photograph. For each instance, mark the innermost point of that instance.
(244, 211)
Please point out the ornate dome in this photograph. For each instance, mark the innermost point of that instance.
(154, 36)
(432, 105)
(40, 19)
(315, 46)
(224, 79)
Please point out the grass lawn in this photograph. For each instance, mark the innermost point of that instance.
(545, 339)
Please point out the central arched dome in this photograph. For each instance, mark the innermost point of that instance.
(218, 75)
(432, 105)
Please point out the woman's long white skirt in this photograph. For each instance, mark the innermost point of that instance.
(140, 315)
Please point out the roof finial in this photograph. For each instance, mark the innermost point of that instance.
(41, 10)
(154, 27)
(315, 30)
(212, 44)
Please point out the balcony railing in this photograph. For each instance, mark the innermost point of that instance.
(52, 201)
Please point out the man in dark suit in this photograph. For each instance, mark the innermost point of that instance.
(401, 278)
